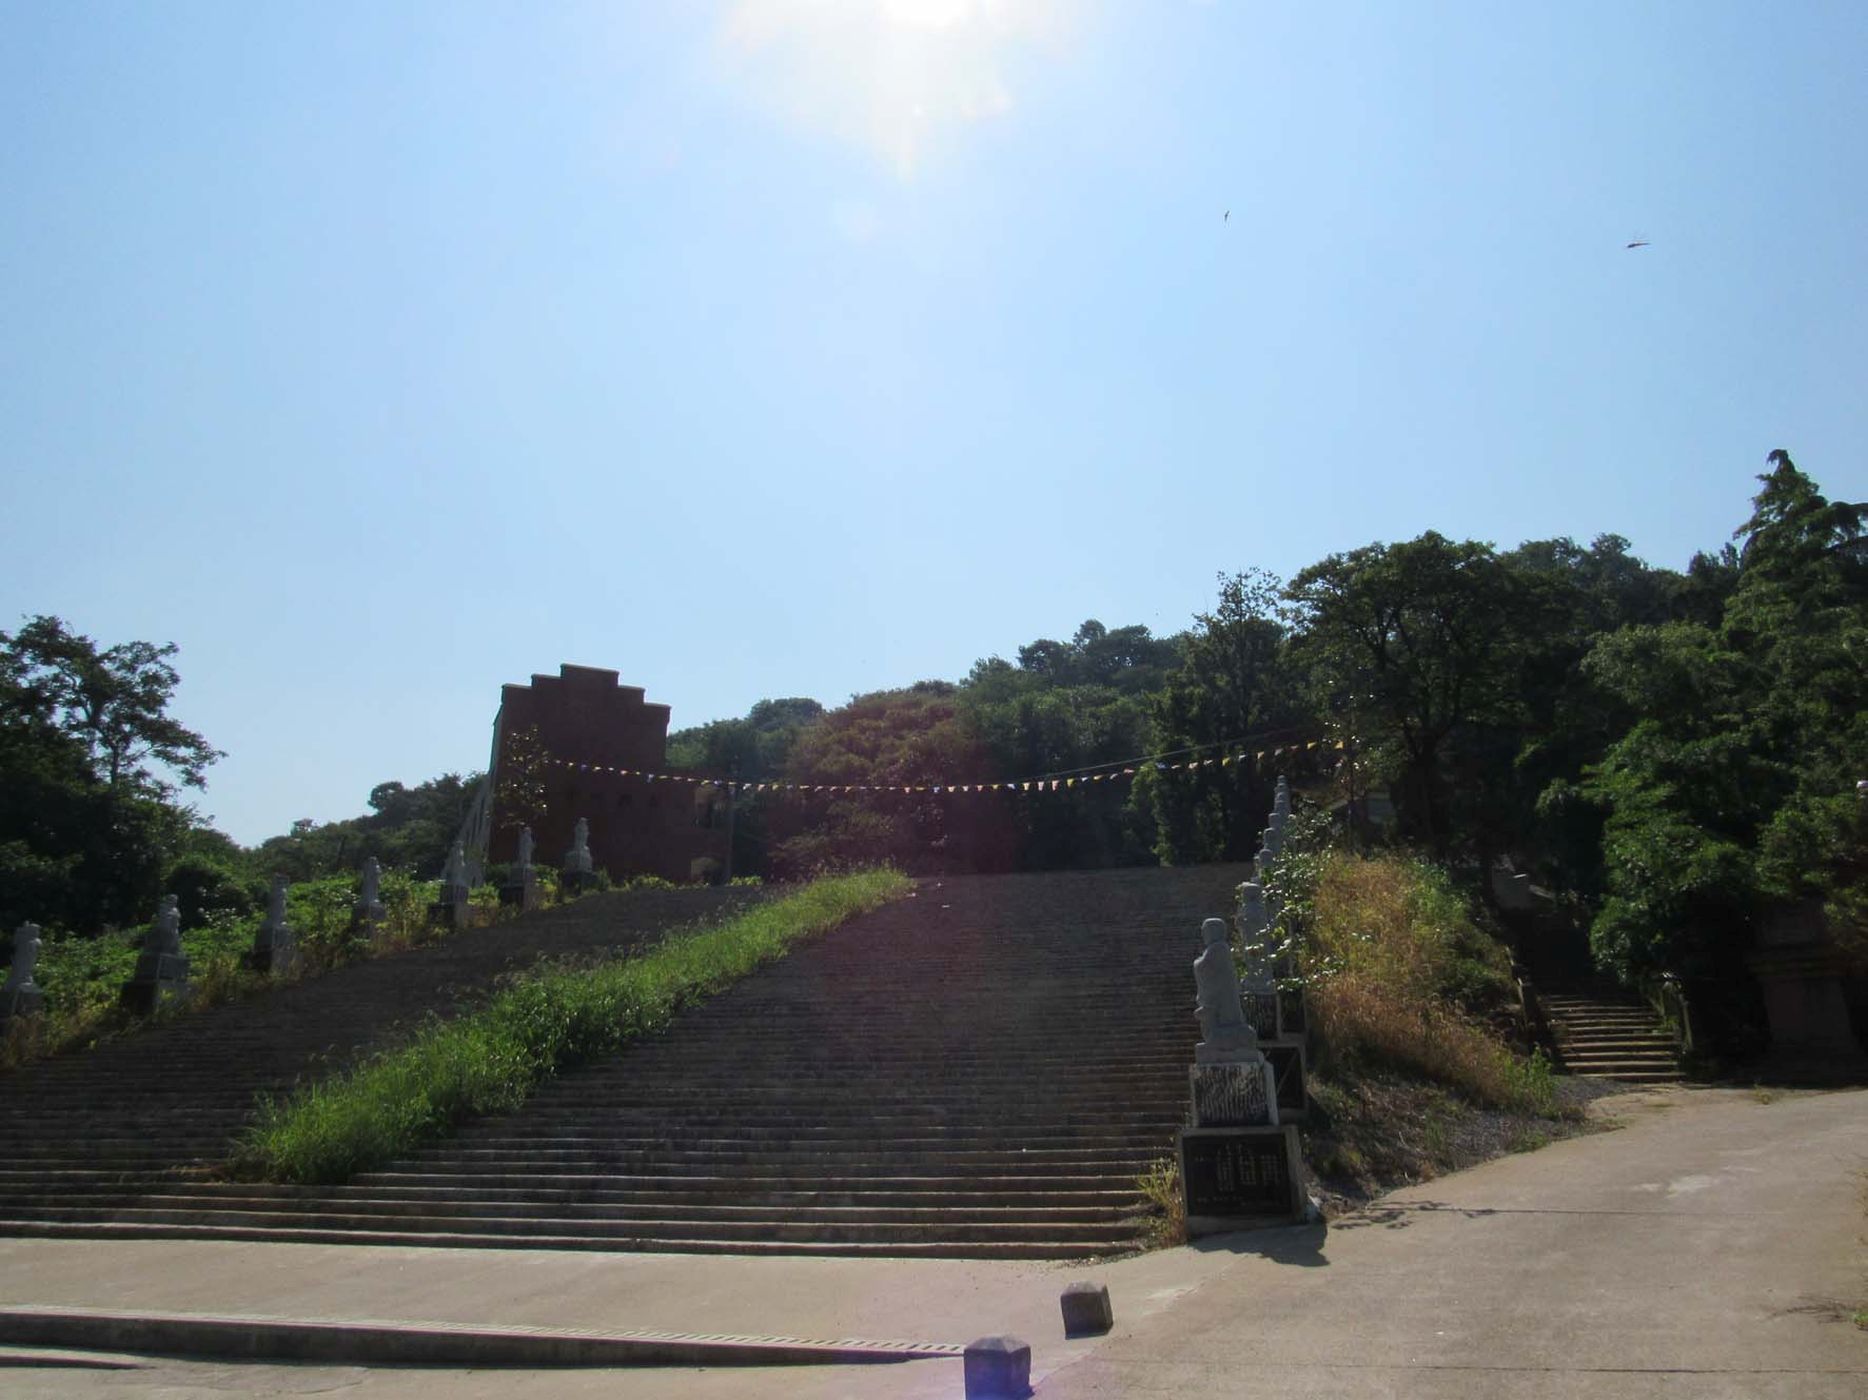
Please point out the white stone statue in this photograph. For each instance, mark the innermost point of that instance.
(1255, 933)
(454, 877)
(21, 996)
(165, 934)
(369, 908)
(26, 942)
(274, 950)
(577, 859)
(1225, 1035)
(525, 849)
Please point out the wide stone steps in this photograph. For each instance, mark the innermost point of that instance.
(703, 1243)
(987, 1079)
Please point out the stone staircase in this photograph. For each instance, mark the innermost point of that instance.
(981, 1070)
(1609, 1034)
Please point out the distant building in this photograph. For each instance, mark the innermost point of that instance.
(556, 745)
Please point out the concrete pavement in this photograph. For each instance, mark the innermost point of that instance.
(1712, 1247)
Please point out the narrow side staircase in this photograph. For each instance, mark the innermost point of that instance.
(1608, 1034)
(982, 1070)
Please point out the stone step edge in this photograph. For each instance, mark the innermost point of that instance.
(385, 1343)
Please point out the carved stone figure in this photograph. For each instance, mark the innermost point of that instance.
(21, 996)
(274, 949)
(577, 859)
(1225, 1034)
(162, 968)
(454, 877)
(525, 848)
(369, 910)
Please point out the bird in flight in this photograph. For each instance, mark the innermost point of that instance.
(1638, 243)
(1224, 217)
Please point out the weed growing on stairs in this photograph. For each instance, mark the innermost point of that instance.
(490, 1060)
(1165, 1224)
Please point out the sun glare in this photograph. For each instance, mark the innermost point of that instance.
(893, 78)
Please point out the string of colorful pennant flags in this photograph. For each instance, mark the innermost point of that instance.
(1059, 783)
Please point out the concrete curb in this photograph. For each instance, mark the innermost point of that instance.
(377, 1342)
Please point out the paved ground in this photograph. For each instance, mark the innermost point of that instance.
(1713, 1247)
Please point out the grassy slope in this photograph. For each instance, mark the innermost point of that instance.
(1410, 1001)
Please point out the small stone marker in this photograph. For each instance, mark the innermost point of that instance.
(275, 951)
(162, 968)
(369, 911)
(21, 996)
(1086, 1309)
(998, 1368)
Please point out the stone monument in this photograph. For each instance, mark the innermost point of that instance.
(1231, 1080)
(451, 907)
(21, 996)
(368, 913)
(162, 968)
(275, 951)
(521, 887)
(578, 873)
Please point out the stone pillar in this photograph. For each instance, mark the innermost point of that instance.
(368, 913)
(21, 996)
(578, 873)
(162, 969)
(275, 951)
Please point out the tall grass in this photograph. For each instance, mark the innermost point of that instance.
(1399, 974)
(491, 1060)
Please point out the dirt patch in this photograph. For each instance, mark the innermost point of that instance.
(1375, 1132)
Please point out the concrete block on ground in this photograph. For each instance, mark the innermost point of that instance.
(998, 1368)
(1086, 1309)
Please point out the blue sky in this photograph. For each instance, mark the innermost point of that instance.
(382, 354)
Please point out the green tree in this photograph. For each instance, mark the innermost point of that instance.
(1418, 641)
(1731, 796)
(90, 760)
(1235, 682)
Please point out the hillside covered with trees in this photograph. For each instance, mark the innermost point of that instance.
(1675, 752)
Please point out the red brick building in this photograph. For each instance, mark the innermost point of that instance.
(557, 744)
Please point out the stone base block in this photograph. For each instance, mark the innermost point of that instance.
(998, 1368)
(1290, 1071)
(1240, 1178)
(1291, 1019)
(1086, 1309)
(576, 882)
(1261, 1013)
(1236, 1095)
(142, 995)
(17, 1003)
(276, 959)
(523, 897)
(455, 916)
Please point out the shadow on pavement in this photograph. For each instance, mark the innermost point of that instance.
(1301, 1245)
